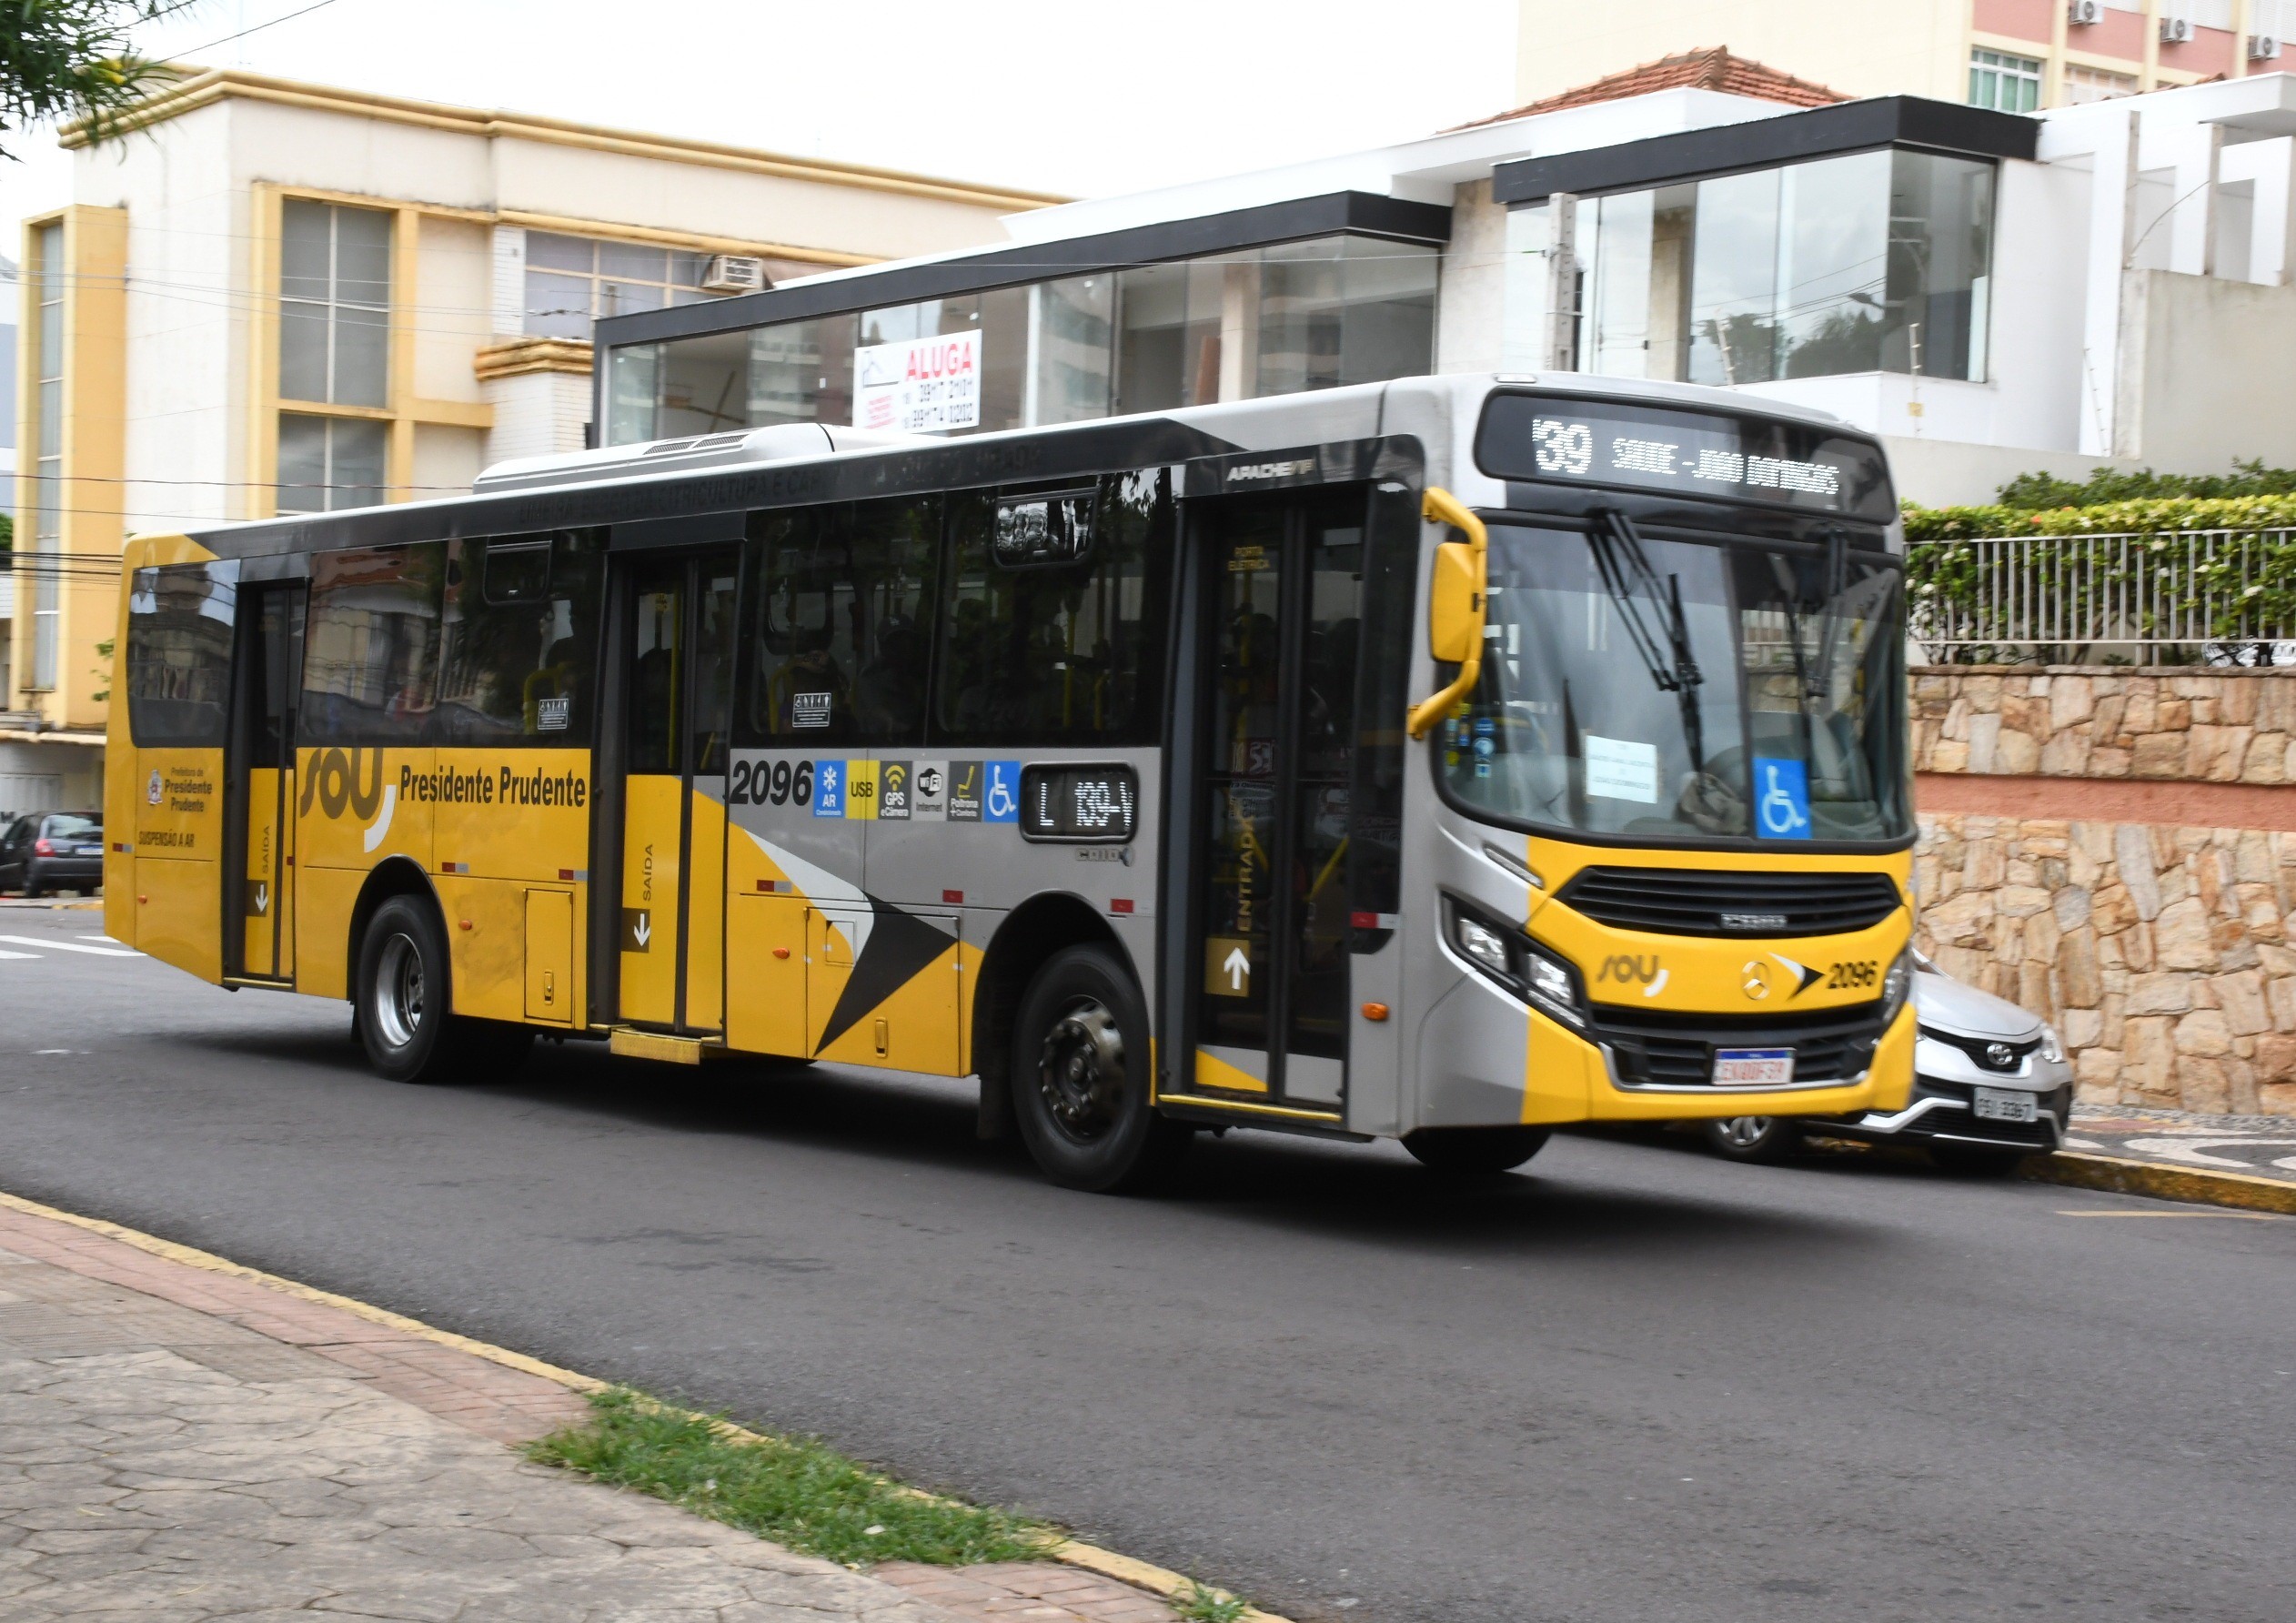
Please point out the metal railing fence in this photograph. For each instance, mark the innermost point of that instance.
(2218, 596)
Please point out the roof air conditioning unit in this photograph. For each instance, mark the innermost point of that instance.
(734, 273)
(2176, 28)
(2080, 14)
(2263, 48)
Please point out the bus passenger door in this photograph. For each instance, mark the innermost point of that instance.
(672, 926)
(1284, 583)
(268, 681)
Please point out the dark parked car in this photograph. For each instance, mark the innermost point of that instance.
(53, 851)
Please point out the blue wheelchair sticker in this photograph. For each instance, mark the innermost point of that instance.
(828, 789)
(1781, 798)
(1002, 802)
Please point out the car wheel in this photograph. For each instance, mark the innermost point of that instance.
(1081, 1077)
(1765, 1141)
(1975, 1160)
(1475, 1152)
(32, 886)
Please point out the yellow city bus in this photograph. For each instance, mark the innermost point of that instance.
(1443, 759)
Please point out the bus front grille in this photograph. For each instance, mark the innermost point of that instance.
(1710, 901)
(1653, 1049)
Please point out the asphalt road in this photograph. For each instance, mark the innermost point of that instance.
(1640, 1383)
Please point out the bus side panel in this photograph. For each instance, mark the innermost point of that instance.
(486, 929)
(1473, 1045)
(177, 833)
(324, 898)
(765, 973)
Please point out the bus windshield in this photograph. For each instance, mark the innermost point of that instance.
(1644, 687)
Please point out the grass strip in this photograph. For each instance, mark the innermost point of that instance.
(792, 1490)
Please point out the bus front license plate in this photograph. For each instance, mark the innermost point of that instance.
(1753, 1067)
(2004, 1104)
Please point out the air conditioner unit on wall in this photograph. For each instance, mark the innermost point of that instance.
(2080, 14)
(734, 273)
(2263, 48)
(2175, 29)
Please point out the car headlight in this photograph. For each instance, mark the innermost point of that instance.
(1509, 958)
(1896, 985)
(2052, 1045)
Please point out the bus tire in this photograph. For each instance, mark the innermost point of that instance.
(1475, 1152)
(403, 1015)
(1080, 1074)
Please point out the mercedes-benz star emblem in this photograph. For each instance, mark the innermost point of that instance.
(1755, 979)
(1999, 1056)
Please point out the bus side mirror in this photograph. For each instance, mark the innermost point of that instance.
(1454, 603)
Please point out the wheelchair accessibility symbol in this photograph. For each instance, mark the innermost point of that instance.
(1002, 803)
(1781, 798)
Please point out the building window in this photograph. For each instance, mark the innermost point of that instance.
(2005, 83)
(1240, 325)
(570, 281)
(47, 450)
(2095, 85)
(1874, 262)
(329, 462)
(334, 304)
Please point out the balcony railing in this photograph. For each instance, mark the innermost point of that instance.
(2218, 597)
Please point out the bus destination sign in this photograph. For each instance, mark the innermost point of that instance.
(1693, 453)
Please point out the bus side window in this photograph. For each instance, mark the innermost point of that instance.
(837, 627)
(519, 640)
(179, 622)
(370, 651)
(1054, 642)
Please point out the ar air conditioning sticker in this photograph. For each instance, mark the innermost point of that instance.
(828, 789)
(1781, 798)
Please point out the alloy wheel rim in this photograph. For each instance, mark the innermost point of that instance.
(1743, 1132)
(398, 989)
(1081, 1071)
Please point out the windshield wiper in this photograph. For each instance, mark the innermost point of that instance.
(1626, 576)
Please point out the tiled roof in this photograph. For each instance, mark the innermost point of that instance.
(1713, 69)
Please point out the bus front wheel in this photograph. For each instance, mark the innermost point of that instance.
(401, 1010)
(1079, 1076)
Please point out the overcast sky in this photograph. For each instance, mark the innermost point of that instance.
(1059, 96)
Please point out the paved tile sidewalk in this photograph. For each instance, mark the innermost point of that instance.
(181, 1444)
(2255, 1146)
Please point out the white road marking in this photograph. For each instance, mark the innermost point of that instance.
(7, 954)
(71, 946)
(104, 940)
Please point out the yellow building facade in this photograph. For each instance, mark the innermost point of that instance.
(274, 297)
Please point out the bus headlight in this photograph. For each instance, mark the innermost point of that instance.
(1511, 959)
(1896, 985)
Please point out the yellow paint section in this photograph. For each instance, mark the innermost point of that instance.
(178, 840)
(861, 790)
(125, 776)
(765, 994)
(262, 899)
(829, 965)
(486, 945)
(351, 809)
(1887, 1086)
(520, 815)
(1214, 1072)
(324, 900)
(653, 810)
(915, 1029)
(549, 956)
(1560, 1074)
(654, 1045)
(705, 922)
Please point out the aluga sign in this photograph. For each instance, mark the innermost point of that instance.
(1445, 759)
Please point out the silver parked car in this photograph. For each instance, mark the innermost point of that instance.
(1991, 1086)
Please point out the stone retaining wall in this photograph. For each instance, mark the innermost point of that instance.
(2161, 952)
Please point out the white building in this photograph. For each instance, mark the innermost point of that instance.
(1992, 292)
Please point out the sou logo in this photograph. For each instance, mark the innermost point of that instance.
(333, 780)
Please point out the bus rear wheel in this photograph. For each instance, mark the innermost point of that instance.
(1475, 1152)
(401, 1009)
(1079, 1076)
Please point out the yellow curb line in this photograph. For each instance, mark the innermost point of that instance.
(2120, 1175)
(1142, 1574)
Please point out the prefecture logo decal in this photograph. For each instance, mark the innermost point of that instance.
(152, 791)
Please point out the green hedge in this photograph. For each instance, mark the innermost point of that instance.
(2141, 516)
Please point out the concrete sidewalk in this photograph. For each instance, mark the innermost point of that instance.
(2247, 1162)
(182, 1442)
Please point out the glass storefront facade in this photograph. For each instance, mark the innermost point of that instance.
(1873, 262)
(1252, 322)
